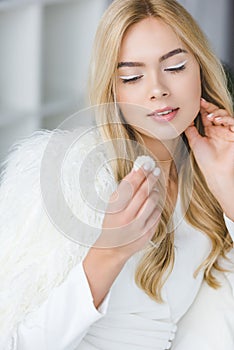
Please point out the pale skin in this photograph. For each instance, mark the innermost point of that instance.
(155, 87)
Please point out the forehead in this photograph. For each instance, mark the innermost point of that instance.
(149, 36)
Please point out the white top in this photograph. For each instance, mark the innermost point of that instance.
(127, 319)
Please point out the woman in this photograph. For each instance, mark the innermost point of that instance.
(161, 87)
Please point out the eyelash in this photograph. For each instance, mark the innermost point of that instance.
(135, 78)
(131, 80)
(176, 69)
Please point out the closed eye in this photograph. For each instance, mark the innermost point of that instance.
(130, 78)
(176, 68)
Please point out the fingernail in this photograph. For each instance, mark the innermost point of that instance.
(210, 116)
(156, 171)
(203, 99)
(218, 119)
(156, 189)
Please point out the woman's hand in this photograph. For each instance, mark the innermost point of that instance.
(132, 214)
(214, 153)
(129, 223)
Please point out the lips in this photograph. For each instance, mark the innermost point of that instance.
(164, 114)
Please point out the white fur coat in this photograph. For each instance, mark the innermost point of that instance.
(39, 230)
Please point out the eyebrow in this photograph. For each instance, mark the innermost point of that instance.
(172, 53)
(161, 59)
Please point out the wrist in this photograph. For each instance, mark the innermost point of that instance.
(223, 191)
(101, 265)
(110, 256)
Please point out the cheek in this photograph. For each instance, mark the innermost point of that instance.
(192, 91)
(196, 82)
(197, 79)
(129, 93)
(121, 93)
(197, 92)
(124, 95)
(132, 112)
(192, 86)
(121, 97)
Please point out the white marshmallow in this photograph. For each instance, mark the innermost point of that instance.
(141, 160)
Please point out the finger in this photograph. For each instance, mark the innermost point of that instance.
(143, 193)
(223, 120)
(149, 229)
(152, 222)
(220, 133)
(145, 210)
(127, 188)
(137, 226)
(136, 177)
(192, 135)
(208, 107)
(207, 121)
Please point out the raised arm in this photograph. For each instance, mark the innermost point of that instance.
(130, 222)
(214, 153)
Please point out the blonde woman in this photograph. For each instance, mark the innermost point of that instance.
(163, 260)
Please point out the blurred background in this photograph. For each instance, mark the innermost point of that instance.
(45, 49)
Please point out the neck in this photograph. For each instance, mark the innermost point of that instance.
(162, 150)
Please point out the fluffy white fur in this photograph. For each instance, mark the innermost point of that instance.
(35, 257)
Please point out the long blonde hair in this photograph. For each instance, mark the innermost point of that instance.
(156, 264)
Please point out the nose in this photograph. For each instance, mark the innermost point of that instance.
(157, 94)
(157, 90)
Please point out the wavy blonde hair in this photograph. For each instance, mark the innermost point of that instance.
(203, 211)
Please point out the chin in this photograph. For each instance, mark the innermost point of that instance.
(170, 132)
(169, 136)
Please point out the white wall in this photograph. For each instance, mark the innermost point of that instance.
(45, 49)
(214, 18)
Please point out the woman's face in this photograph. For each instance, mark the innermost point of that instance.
(158, 82)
